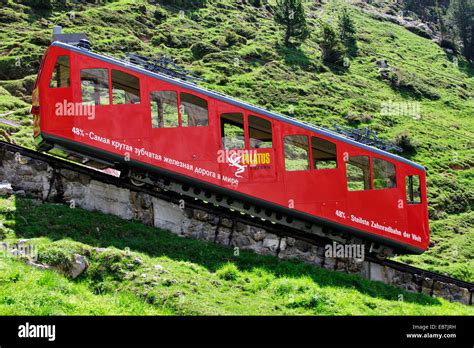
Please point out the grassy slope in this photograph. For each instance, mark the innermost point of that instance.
(193, 277)
(247, 61)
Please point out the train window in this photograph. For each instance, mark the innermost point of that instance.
(164, 109)
(232, 131)
(358, 173)
(260, 132)
(61, 76)
(384, 174)
(324, 153)
(296, 152)
(413, 189)
(194, 110)
(125, 88)
(95, 86)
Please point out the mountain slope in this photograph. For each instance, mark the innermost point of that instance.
(236, 48)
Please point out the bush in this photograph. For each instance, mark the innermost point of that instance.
(331, 46)
(405, 141)
(200, 49)
(41, 4)
(408, 81)
(228, 272)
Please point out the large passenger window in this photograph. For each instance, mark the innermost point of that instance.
(125, 88)
(296, 152)
(358, 173)
(95, 86)
(164, 109)
(260, 132)
(413, 189)
(324, 153)
(384, 174)
(232, 131)
(194, 111)
(61, 75)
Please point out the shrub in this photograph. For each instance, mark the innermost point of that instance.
(331, 46)
(405, 141)
(228, 272)
(200, 49)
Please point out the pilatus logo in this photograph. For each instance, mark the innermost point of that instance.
(234, 160)
(241, 159)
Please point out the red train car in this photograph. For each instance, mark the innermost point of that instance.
(125, 116)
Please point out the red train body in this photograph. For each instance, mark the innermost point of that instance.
(118, 112)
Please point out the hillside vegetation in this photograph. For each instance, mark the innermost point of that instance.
(238, 49)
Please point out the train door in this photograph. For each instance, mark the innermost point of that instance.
(57, 91)
(416, 208)
(327, 177)
(260, 158)
(296, 165)
(166, 137)
(233, 142)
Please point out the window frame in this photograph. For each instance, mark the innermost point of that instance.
(111, 88)
(151, 111)
(308, 152)
(312, 167)
(208, 101)
(109, 82)
(54, 70)
(247, 131)
(244, 126)
(409, 178)
(373, 174)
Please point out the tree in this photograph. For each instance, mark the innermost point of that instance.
(346, 26)
(464, 20)
(41, 4)
(290, 14)
(331, 46)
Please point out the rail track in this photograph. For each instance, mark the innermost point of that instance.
(227, 207)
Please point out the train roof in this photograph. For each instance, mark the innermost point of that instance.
(242, 104)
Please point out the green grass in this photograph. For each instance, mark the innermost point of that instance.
(145, 270)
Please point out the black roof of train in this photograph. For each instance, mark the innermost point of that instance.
(234, 101)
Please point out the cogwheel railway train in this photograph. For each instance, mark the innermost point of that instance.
(107, 112)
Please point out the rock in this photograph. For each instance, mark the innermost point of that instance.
(226, 222)
(37, 265)
(78, 266)
(5, 188)
(200, 215)
(223, 235)
(100, 250)
(159, 267)
(138, 261)
(20, 193)
(271, 242)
